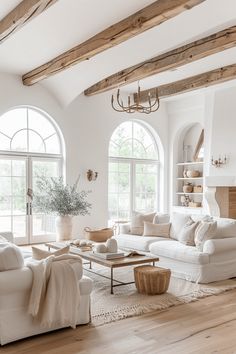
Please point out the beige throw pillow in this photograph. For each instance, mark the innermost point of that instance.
(39, 254)
(137, 222)
(161, 218)
(204, 231)
(187, 233)
(161, 230)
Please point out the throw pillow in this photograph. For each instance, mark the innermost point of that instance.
(161, 230)
(187, 233)
(39, 254)
(178, 221)
(161, 218)
(204, 231)
(11, 257)
(137, 222)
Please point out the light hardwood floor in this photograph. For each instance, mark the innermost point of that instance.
(205, 326)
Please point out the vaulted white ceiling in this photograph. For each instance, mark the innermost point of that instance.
(70, 22)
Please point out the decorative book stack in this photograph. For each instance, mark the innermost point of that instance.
(109, 255)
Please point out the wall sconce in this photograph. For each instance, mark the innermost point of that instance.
(92, 175)
(219, 162)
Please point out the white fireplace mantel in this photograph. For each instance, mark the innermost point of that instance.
(220, 181)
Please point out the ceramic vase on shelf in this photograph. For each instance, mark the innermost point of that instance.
(64, 227)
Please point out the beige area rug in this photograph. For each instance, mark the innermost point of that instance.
(127, 302)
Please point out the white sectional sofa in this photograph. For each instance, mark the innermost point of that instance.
(15, 286)
(217, 260)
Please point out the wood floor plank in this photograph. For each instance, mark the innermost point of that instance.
(202, 327)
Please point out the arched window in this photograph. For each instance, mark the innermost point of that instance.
(30, 147)
(133, 171)
(28, 130)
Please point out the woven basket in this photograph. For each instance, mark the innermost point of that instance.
(151, 280)
(98, 235)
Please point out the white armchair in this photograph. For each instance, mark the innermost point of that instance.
(15, 288)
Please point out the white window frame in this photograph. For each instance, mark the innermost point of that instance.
(134, 161)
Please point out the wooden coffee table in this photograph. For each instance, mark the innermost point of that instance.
(112, 264)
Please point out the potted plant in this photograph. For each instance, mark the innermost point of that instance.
(54, 197)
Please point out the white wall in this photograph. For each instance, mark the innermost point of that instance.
(223, 131)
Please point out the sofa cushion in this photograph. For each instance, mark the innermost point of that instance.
(204, 231)
(187, 233)
(134, 242)
(161, 218)
(225, 228)
(10, 257)
(161, 230)
(137, 222)
(175, 250)
(178, 220)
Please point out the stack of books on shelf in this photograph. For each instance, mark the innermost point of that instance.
(108, 255)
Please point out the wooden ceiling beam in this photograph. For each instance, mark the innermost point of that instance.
(22, 14)
(200, 81)
(170, 60)
(150, 16)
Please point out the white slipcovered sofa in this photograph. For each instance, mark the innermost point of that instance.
(217, 260)
(15, 286)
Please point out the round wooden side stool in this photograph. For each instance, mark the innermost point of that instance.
(151, 280)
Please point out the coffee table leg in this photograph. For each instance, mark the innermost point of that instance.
(153, 263)
(90, 265)
(112, 280)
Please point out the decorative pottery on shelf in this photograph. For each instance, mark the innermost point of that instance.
(188, 188)
(64, 226)
(193, 173)
(185, 173)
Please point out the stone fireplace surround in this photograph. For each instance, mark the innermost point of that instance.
(220, 196)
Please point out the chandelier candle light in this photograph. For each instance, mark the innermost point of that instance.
(135, 105)
(219, 162)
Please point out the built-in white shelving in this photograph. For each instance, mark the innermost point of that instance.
(191, 193)
(190, 163)
(189, 178)
(195, 181)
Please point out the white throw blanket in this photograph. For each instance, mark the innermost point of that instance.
(55, 295)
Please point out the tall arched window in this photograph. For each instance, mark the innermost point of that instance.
(30, 146)
(133, 171)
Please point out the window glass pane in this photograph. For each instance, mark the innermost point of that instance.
(19, 226)
(5, 223)
(4, 142)
(152, 152)
(139, 151)
(52, 145)
(36, 143)
(18, 186)
(13, 120)
(40, 124)
(5, 186)
(19, 205)
(126, 149)
(5, 205)
(43, 224)
(18, 168)
(5, 167)
(19, 141)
